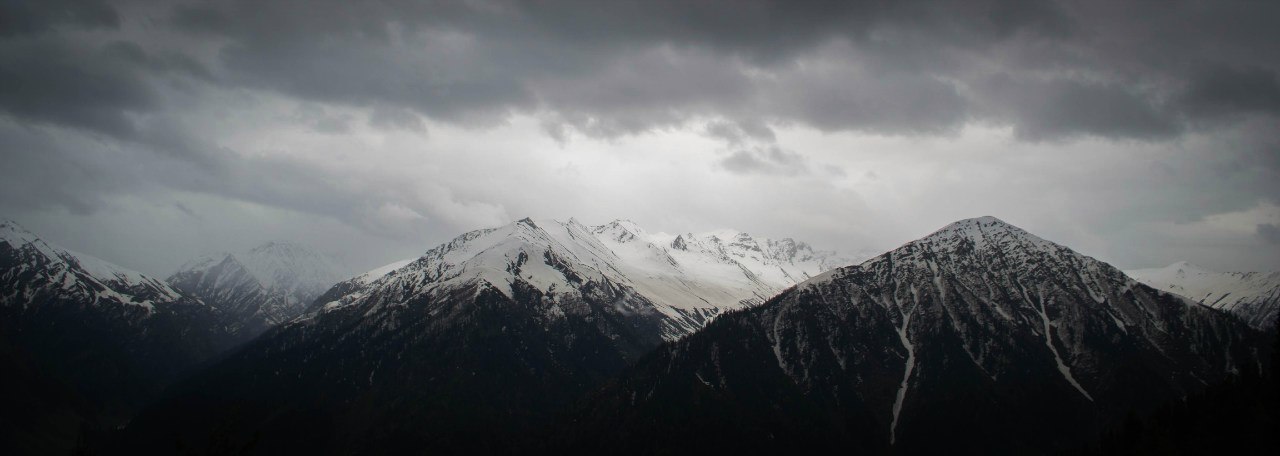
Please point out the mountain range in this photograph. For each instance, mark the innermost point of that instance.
(496, 329)
(1254, 296)
(86, 343)
(555, 336)
(259, 288)
(979, 338)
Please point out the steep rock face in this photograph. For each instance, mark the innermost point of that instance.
(1253, 296)
(95, 340)
(979, 338)
(260, 288)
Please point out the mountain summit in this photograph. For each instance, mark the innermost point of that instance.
(84, 343)
(259, 288)
(682, 281)
(474, 346)
(978, 338)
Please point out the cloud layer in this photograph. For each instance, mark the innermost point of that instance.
(406, 122)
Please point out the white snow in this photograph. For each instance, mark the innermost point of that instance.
(381, 271)
(777, 340)
(284, 277)
(80, 274)
(290, 267)
(687, 278)
(1255, 296)
(1048, 341)
(910, 367)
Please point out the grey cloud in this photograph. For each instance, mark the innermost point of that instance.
(50, 168)
(170, 62)
(657, 88)
(1269, 232)
(879, 102)
(187, 210)
(739, 133)
(54, 81)
(396, 118)
(320, 120)
(602, 68)
(908, 68)
(1225, 90)
(765, 160)
(434, 85)
(20, 17)
(42, 171)
(122, 109)
(624, 68)
(1064, 108)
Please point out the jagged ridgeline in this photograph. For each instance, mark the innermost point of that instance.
(1253, 296)
(476, 345)
(978, 339)
(84, 344)
(259, 288)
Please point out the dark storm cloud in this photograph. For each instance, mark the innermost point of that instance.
(55, 81)
(612, 68)
(1051, 70)
(889, 102)
(1063, 108)
(20, 17)
(606, 68)
(1226, 90)
(133, 98)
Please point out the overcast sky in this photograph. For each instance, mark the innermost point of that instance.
(1141, 133)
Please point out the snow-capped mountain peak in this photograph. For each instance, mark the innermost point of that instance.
(986, 232)
(100, 338)
(291, 267)
(621, 230)
(17, 236)
(266, 285)
(976, 328)
(382, 271)
(61, 272)
(687, 286)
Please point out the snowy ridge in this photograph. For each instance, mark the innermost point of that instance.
(688, 278)
(291, 269)
(977, 327)
(34, 267)
(264, 286)
(1254, 296)
(381, 271)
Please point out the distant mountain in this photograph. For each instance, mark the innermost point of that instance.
(260, 288)
(474, 345)
(978, 339)
(347, 287)
(694, 277)
(85, 343)
(1254, 296)
(686, 279)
